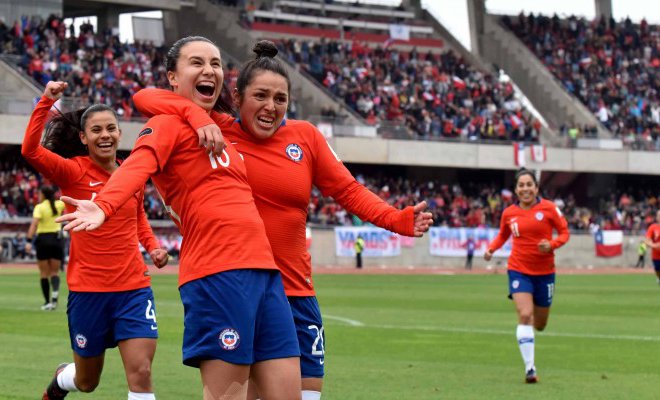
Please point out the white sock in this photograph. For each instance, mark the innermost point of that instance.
(65, 379)
(525, 335)
(55, 295)
(141, 396)
(311, 395)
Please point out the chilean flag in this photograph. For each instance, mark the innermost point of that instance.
(609, 243)
(519, 154)
(458, 83)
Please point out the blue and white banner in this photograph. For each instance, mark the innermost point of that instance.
(452, 242)
(378, 242)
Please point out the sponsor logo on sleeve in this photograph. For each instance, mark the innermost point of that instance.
(145, 131)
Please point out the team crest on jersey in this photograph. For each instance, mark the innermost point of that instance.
(539, 216)
(81, 341)
(229, 339)
(515, 284)
(294, 152)
(145, 131)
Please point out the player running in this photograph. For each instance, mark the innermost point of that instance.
(531, 267)
(110, 299)
(237, 318)
(653, 241)
(281, 153)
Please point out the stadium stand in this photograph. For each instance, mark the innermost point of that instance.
(452, 203)
(611, 67)
(437, 95)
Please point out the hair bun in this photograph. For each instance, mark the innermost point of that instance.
(265, 48)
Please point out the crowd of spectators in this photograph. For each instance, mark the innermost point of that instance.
(613, 68)
(452, 204)
(434, 94)
(473, 205)
(97, 67)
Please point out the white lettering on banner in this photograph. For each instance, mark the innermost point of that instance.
(452, 242)
(378, 242)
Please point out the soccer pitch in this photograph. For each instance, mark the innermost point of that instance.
(393, 337)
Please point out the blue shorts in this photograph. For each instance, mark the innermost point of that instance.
(98, 321)
(239, 316)
(311, 338)
(656, 265)
(542, 287)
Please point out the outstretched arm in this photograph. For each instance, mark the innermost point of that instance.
(124, 182)
(152, 102)
(334, 179)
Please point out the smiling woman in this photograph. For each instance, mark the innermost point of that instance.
(79, 156)
(531, 266)
(237, 322)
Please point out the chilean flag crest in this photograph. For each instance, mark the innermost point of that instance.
(609, 243)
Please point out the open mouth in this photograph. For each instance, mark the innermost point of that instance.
(265, 121)
(105, 145)
(206, 89)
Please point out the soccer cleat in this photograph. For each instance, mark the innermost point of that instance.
(53, 305)
(531, 376)
(48, 307)
(53, 391)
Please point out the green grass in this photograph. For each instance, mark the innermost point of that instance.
(394, 337)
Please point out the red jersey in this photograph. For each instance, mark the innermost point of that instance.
(208, 198)
(281, 172)
(529, 227)
(653, 234)
(107, 259)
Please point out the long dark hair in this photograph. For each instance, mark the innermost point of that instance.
(63, 131)
(49, 194)
(265, 61)
(223, 104)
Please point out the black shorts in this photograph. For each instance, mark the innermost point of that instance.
(49, 246)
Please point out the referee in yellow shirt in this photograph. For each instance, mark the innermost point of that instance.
(48, 242)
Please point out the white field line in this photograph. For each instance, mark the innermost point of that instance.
(347, 321)
(359, 324)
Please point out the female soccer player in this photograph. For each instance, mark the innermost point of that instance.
(289, 154)
(48, 243)
(110, 299)
(531, 266)
(237, 318)
(653, 241)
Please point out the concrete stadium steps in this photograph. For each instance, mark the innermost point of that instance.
(16, 92)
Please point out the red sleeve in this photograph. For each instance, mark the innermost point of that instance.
(333, 179)
(503, 234)
(152, 150)
(559, 223)
(57, 169)
(145, 234)
(649, 232)
(129, 178)
(152, 102)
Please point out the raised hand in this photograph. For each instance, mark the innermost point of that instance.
(423, 220)
(88, 216)
(55, 89)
